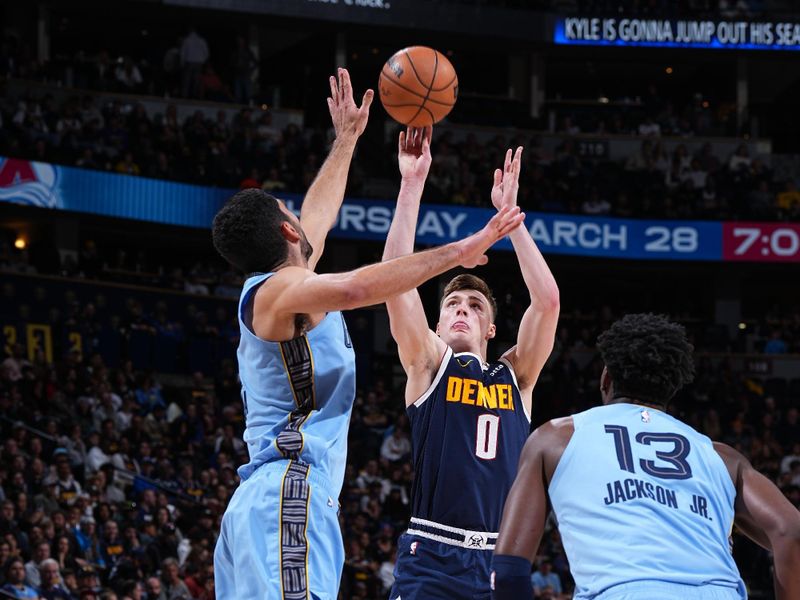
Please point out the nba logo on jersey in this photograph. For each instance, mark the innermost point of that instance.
(645, 416)
(413, 549)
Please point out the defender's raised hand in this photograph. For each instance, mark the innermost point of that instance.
(414, 153)
(500, 225)
(506, 182)
(348, 119)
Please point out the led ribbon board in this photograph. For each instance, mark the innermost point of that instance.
(669, 33)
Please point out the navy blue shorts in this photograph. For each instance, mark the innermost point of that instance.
(431, 570)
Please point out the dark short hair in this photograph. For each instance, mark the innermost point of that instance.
(647, 356)
(14, 560)
(467, 281)
(246, 231)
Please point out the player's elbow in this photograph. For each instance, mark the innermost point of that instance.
(548, 301)
(791, 531)
(786, 537)
(552, 301)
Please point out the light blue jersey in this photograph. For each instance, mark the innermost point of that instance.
(641, 497)
(280, 535)
(298, 395)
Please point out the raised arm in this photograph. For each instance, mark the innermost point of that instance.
(537, 328)
(294, 290)
(767, 517)
(324, 198)
(419, 347)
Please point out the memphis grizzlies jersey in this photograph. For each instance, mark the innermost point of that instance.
(468, 430)
(640, 496)
(297, 395)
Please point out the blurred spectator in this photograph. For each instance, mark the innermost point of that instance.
(544, 577)
(396, 446)
(251, 181)
(244, 66)
(15, 586)
(595, 205)
(127, 166)
(154, 589)
(211, 86)
(789, 199)
(194, 54)
(128, 76)
(51, 587)
(386, 572)
(33, 566)
(775, 345)
(174, 587)
(171, 67)
(649, 128)
(740, 160)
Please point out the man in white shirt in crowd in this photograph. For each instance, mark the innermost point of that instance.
(194, 54)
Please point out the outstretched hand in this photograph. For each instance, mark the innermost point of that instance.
(414, 153)
(506, 182)
(500, 225)
(348, 119)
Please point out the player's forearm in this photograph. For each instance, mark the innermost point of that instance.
(787, 567)
(377, 283)
(402, 231)
(538, 279)
(324, 198)
(511, 577)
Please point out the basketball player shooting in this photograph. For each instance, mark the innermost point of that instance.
(280, 534)
(644, 503)
(469, 418)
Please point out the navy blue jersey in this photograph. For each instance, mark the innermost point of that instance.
(468, 430)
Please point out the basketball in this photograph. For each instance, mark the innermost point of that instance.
(418, 86)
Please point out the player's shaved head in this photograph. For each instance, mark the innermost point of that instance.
(647, 357)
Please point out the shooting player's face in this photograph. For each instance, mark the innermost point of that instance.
(465, 321)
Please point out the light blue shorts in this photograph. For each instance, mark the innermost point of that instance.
(280, 537)
(664, 590)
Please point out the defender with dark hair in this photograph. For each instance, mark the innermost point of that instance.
(247, 232)
(644, 503)
(280, 534)
(469, 417)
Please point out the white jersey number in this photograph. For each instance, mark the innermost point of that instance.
(486, 444)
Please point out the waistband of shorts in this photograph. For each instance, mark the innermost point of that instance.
(312, 474)
(454, 536)
(675, 590)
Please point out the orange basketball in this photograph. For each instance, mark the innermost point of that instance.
(418, 86)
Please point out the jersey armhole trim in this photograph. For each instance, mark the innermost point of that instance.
(566, 457)
(248, 299)
(730, 485)
(510, 368)
(448, 353)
